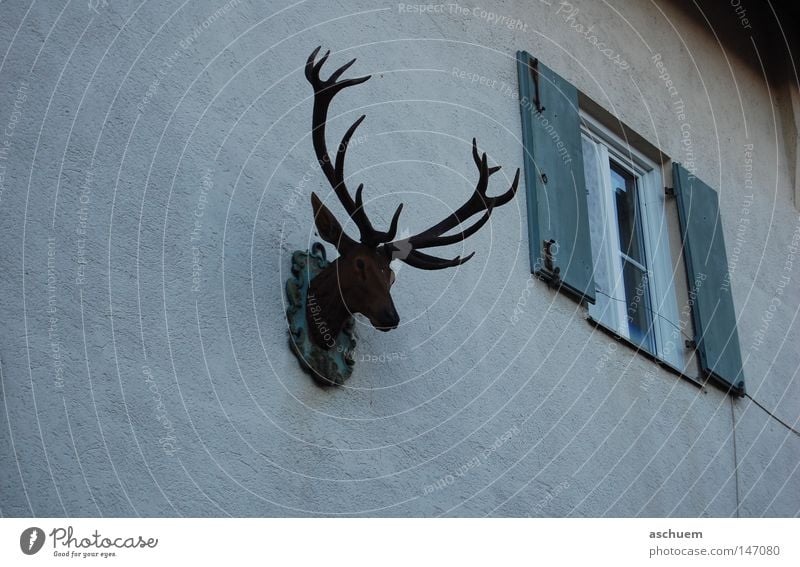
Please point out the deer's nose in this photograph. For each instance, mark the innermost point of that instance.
(389, 319)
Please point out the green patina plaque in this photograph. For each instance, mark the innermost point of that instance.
(328, 367)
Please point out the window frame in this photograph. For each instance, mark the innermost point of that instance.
(651, 202)
(559, 239)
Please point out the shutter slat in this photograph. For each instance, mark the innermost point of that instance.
(554, 179)
(713, 313)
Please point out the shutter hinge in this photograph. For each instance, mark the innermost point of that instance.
(669, 191)
(690, 344)
(533, 68)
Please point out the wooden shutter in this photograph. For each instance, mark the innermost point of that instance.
(713, 314)
(558, 223)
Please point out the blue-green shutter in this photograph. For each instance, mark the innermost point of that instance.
(713, 314)
(554, 179)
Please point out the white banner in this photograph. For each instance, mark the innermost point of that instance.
(401, 542)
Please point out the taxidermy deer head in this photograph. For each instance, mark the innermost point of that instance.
(360, 279)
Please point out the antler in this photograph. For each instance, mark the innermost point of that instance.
(324, 91)
(407, 249)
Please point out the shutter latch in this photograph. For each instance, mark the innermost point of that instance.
(550, 273)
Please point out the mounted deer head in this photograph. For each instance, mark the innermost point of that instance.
(360, 280)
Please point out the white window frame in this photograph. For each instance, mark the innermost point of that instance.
(655, 231)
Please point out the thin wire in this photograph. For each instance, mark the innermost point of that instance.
(751, 398)
(772, 415)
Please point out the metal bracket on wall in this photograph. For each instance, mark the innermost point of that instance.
(669, 191)
(549, 273)
(533, 68)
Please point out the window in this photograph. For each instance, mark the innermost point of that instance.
(598, 234)
(635, 297)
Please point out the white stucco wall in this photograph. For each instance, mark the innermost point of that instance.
(169, 400)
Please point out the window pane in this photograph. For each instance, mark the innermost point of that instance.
(630, 231)
(637, 299)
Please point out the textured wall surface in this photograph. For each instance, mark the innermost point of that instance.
(156, 172)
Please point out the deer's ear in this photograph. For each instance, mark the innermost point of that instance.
(329, 228)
